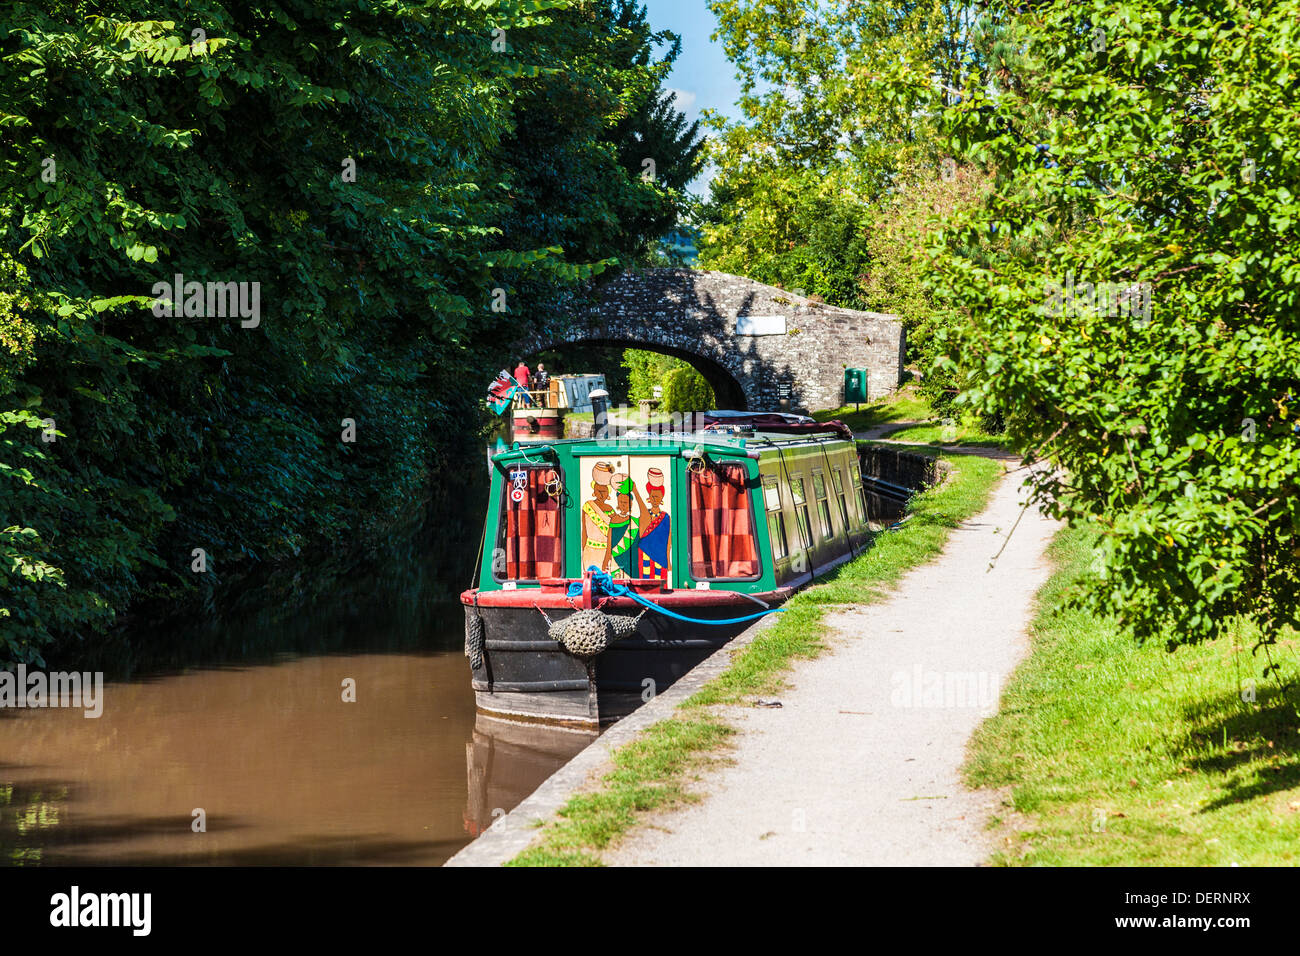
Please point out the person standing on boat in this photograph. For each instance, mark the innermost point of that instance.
(595, 517)
(655, 544)
(624, 530)
(521, 374)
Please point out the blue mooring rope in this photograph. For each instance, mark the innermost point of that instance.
(602, 581)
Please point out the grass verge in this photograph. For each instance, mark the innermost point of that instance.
(904, 405)
(963, 433)
(1127, 755)
(908, 406)
(653, 772)
(627, 417)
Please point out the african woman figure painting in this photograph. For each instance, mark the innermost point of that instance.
(656, 542)
(595, 517)
(624, 530)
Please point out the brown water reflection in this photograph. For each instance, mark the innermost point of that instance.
(286, 771)
(507, 761)
(239, 712)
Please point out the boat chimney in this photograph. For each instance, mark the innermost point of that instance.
(600, 413)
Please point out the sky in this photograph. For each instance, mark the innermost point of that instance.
(702, 77)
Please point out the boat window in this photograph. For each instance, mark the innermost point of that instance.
(723, 540)
(839, 493)
(529, 543)
(862, 491)
(823, 503)
(796, 489)
(775, 517)
(801, 511)
(771, 494)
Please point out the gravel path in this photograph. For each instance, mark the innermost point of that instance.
(860, 764)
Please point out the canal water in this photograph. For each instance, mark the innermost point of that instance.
(240, 722)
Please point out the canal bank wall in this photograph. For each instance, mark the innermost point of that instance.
(514, 832)
(890, 476)
(907, 469)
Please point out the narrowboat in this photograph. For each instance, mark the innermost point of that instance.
(610, 567)
(539, 417)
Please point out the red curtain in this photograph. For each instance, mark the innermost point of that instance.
(533, 545)
(722, 524)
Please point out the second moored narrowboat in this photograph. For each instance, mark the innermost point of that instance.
(611, 567)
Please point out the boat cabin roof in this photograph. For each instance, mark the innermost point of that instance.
(749, 444)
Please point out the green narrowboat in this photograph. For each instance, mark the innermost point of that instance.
(611, 567)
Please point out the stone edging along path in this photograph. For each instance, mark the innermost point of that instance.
(860, 764)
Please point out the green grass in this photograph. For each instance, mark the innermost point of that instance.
(907, 405)
(648, 774)
(904, 405)
(963, 433)
(636, 416)
(655, 771)
(1123, 755)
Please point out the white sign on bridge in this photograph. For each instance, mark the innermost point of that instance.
(760, 325)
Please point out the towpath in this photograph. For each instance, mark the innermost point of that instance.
(877, 432)
(860, 763)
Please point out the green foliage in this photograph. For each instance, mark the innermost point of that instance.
(35, 597)
(870, 80)
(129, 154)
(679, 248)
(645, 370)
(1164, 159)
(832, 192)
(779, 228)
(686, 390)
(900, 263)
(17, 333)
(584, 125)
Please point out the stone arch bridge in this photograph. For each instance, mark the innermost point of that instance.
(756, 344)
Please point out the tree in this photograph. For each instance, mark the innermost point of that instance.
(574, 162)
(848, 90)
(359, 169)
(1130, 291)
(838, 170)
(646, 370)
(899, 263)
(686, 390)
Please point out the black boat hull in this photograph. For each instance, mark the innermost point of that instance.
(526, 675)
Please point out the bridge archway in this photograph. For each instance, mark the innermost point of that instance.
(757, 345)
(728, 392)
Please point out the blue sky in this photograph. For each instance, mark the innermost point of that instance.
(702, 77)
